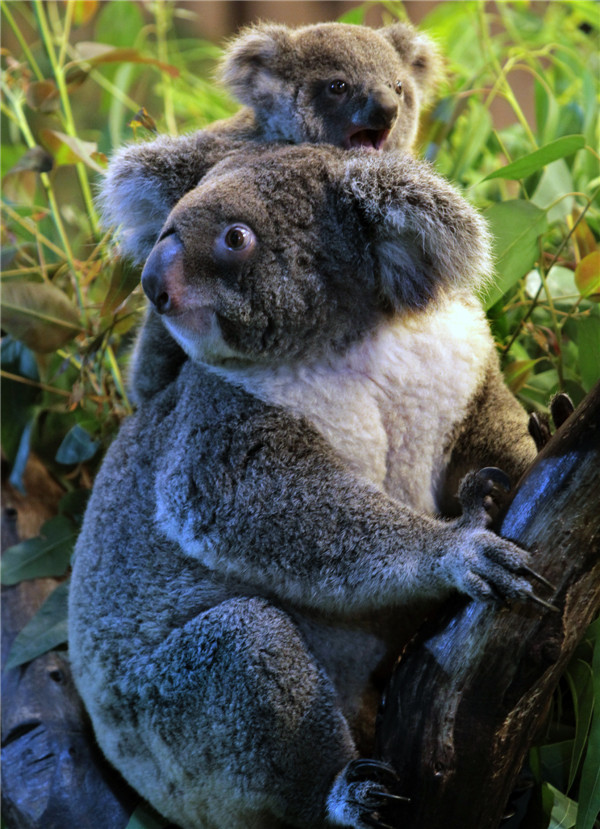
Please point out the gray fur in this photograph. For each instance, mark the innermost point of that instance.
(264, 533)
(281, 75)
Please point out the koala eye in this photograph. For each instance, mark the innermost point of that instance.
(398, 87)
(239, 237)
(338, 87)
(237, 241)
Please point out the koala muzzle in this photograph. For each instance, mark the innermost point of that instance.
(162, 277)
(381, 109)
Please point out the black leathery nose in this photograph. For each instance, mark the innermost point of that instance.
(382, 108)
(157, 274)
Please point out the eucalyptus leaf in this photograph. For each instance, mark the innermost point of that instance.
(46, 631)
(77, 446)
(588, 338)
(563, 810)
(535, 161)
(589, 787)
(516, 226)
(553, 192)
(49, 554)
(39, 315)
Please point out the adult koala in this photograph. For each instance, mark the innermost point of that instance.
(350, 86)
(263, 535)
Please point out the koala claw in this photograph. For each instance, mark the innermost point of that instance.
(360, 793)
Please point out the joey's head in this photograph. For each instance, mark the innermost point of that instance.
(335, 83)
(286, 253)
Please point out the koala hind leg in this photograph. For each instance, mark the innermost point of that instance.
(243, 724)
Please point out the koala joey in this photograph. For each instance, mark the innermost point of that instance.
(263, 535)
(350, 86)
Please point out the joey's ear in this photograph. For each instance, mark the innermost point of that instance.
(145, 181)
(250, 66)
(426, 238)
(420, 53)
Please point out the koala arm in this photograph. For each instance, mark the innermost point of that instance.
(144, 181)
(263, 500)
(156, 360)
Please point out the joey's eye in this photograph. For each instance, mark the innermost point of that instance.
(398, 87)
(338, 87)
(238, 237)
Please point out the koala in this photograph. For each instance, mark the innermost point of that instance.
(334, 83)
(264, 534)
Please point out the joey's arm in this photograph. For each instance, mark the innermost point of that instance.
(264, 500)
(144, 181)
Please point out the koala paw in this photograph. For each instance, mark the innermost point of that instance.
(359, 796)
(480, 495)
(485, 566)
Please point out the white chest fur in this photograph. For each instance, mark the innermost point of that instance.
(390, 403)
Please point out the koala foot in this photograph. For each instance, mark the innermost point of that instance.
(360, 795)
(480, 493)
(561, 408)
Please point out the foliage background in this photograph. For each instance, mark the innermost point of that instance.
(79, 80)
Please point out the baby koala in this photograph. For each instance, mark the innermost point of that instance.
(263, 536)
(334, 83)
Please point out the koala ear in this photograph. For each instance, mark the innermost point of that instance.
(419, 52)
(250, 64)
(426, 238)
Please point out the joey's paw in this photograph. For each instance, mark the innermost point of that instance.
(492, 568)
(361, 795)
(480, 495)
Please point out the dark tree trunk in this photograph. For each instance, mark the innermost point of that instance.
(469, 694)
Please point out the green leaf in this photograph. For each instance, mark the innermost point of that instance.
(589, 787)
(562, 810)
(580, 679)
(19, 400)
(49, 554)
(39, 315)
(124, 278)
(77, 446)
(533, 162)
(144, 818)
(516, 226)
(554, 190)
(46, 631)
(588, 338)
(68, 150)
(355, 15)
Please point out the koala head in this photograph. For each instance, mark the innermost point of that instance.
(289, 252)
(334, 83)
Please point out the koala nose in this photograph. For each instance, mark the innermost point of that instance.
(163, 273)
(381, 109)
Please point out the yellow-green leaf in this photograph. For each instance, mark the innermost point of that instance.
(40, 315)
(96, 53)
(68, 150)
(587, 276)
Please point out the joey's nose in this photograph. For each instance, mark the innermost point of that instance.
(382, 108)
(162, 277)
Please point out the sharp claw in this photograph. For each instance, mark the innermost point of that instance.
(496, 475)
(533, 575)
(532, 597)
(363, 768)
(539, 430)
(390, 797)
(369, 820)
(561, 408)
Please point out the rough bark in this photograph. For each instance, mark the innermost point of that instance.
(469, 694)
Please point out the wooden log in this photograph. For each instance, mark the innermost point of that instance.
(469, 694)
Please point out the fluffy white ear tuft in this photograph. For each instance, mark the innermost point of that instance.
(427, 238)
(249, 66)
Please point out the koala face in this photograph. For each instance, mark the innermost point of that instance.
(334, 83)
(256, 267)
(286, 253)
